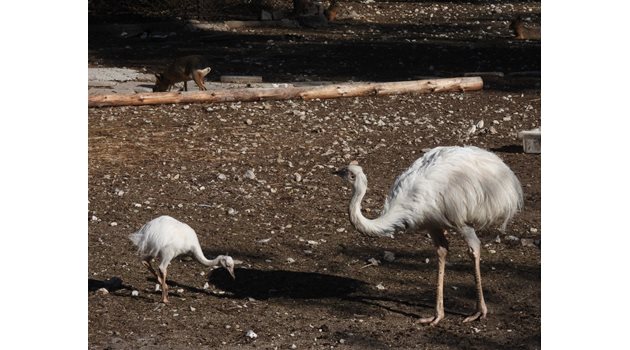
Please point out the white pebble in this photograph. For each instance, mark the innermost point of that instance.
(533, 230)
(380, 286)
(250, 174)
(222, 177)
(297, 177)
(290, 260)
(250, 334)
(113, 223)
(134, 293)
(231, 211)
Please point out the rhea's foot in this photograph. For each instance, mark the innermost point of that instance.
(432, 321)
(475, 316)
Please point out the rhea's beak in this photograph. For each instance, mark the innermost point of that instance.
(231, 271)
(341, 172)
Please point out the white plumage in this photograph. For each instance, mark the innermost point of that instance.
(165, 238)
(458, 188)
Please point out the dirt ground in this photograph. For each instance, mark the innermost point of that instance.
(255, 181)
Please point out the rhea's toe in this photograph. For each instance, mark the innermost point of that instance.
(475, 316)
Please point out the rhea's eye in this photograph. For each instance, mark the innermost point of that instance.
(351, 176)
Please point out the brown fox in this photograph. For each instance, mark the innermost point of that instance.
(193, 67)
(524, 33)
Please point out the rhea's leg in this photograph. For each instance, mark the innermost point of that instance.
(164, 285)
(147, 262)
(441, 245)
(474, 250)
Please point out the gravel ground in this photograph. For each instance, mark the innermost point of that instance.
(254, 180)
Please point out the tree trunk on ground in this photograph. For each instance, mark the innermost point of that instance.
(286, 93)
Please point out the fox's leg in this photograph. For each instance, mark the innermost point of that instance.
(199, 77)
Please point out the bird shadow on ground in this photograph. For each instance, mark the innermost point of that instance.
(264, 285)
(113, 284)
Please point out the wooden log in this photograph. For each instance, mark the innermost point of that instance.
(293, 92)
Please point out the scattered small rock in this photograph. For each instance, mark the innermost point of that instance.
(380, 286)
(527, 242)
(231, 211)
(251, 335)
(192, 309)
(297, 177)
(290, 260)
(388, 256)
(114, 223)
(250, 174)
(102, 291)
(134, 293)
(533, 230)
(222, 177)
(249, 122)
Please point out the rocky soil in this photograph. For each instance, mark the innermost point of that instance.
(255, 181)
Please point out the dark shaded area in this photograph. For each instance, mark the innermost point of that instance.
(508, 149)
(375, 51)
(263, 285)
(113, 284)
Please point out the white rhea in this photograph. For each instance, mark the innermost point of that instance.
(458, 188)
(165, 238)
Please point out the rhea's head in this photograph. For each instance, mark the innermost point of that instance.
(350, 172)
(228, 263)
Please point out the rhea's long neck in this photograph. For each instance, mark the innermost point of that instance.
(198, 253)
(384, 225)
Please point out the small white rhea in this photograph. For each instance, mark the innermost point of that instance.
(165, 238)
